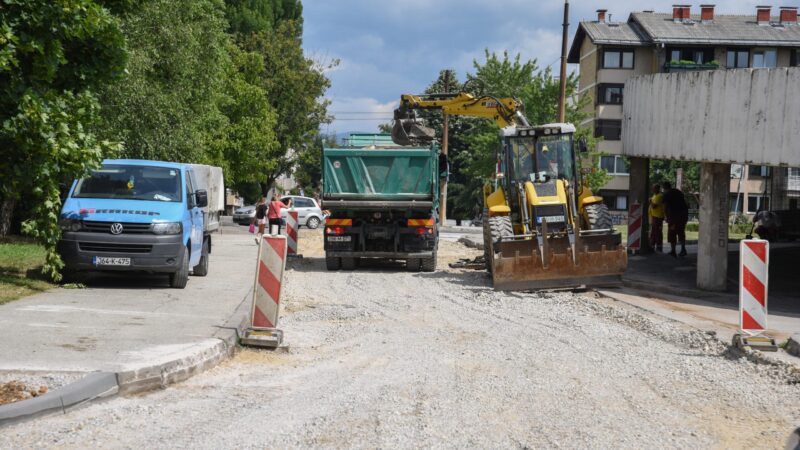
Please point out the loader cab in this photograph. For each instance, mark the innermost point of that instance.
(538, 155)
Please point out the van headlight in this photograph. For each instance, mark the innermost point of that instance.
(69, 224)
(167, 228)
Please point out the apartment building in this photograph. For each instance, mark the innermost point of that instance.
(608, 53)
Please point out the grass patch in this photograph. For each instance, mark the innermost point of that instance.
(20, 269)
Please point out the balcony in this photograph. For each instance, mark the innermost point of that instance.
(689, 66)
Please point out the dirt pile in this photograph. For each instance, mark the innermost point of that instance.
(14, 391)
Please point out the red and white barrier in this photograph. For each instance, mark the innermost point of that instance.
(292, 225)
(753, 274)
(635, 226)
(267, 293)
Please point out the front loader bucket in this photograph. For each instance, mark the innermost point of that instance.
(519, 266)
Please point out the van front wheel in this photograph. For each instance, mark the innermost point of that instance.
(179, 278)
(201, 269)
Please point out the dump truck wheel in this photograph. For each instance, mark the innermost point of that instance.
(428, 264)
(413, 264)
(599, 217)
(333, 263)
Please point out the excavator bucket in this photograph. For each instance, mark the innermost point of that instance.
(411, 132)
(518, 265)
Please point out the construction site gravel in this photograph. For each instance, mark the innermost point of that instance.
(383, 358)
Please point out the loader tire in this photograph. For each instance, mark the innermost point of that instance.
(599, 217)
(487, 242)
(501, 228)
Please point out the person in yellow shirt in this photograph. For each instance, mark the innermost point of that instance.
(656, 212)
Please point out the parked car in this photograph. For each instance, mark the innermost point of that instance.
(132, 215)
(309, 214)
(244, 215)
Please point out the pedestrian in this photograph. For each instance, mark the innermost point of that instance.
(274, 214)
(676, 212)
(261, 217)
(656, 212)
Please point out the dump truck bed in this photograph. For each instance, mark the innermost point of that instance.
(380, 178)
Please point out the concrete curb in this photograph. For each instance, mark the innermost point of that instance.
(107, 384)
(793, 345)
(647, 286)
(93, 386)
(180, 369)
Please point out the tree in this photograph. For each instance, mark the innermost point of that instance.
(167, 107)
(294, 86)
(308, 171)
(53, 55)
(256, 16)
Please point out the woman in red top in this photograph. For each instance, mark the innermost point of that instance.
(274, 214)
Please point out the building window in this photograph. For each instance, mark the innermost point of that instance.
(618, 59)
(759, 171)
(614, 165)
(610, 94)
(793, 179)
(738, 59)
(765, 59)
(615, 201)
(610, 130)
(696, 55)
(757, 203)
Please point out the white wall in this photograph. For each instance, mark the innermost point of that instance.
(731, 116)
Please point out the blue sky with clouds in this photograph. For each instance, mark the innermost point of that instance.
(389, 47)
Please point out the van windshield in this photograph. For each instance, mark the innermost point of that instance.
(131, 183)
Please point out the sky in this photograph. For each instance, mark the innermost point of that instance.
(386, 48)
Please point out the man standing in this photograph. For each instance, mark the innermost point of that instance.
(677, 213)
(656, 212)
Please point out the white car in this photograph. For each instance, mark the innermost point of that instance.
(309, 214)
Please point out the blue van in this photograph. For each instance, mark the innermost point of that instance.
(135, 215)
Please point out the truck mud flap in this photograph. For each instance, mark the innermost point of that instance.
(519, 265)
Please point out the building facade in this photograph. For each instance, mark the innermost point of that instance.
(608, 53)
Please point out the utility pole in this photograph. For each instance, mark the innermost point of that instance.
(562, 99)
(445, 134)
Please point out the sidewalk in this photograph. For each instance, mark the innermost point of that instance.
(666, 285)
(136, 327)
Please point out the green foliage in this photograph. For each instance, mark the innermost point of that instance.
(255, 16)
(308, 171)
(167, 106)
(247, 146)
(294, 85)
(52, 55)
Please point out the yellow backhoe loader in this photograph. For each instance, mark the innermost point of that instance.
(543, 228)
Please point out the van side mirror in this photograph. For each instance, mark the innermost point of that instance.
(583, 147)
(201, 198)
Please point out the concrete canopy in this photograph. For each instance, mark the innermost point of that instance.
(744, 116)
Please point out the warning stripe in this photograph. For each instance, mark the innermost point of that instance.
(420, 222)
(754, 256)
(267, 288)
(291, 231)
(339, 222)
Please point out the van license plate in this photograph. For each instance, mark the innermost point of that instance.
(106, 261)
(340, 238)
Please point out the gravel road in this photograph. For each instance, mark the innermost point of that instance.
(380, 357)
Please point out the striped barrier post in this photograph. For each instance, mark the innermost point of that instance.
(263, 331)
(635, 227)
(753, 287)
(292, 225)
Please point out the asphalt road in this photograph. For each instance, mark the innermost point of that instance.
(380, 357)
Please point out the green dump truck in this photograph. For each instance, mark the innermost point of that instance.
(383, 202)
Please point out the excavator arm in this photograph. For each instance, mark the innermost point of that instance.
(408, 130)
